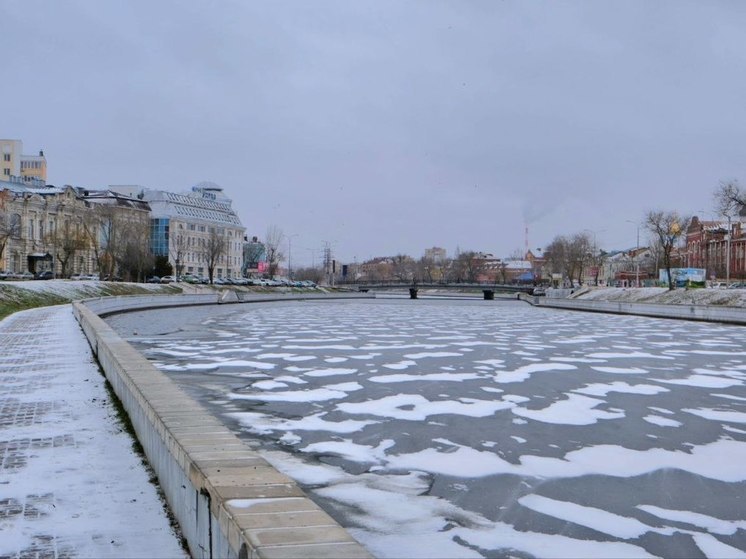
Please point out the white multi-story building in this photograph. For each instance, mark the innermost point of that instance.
(183, 225)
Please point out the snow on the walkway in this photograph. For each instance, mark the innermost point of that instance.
(82, 489)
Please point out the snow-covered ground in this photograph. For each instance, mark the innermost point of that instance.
(70, 483)
(83, 289)
(661, 295)
(472, 428)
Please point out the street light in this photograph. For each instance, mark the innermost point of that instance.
(290, 252)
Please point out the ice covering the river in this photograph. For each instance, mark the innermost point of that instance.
(472, 429)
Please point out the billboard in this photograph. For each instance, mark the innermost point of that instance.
(683, 275)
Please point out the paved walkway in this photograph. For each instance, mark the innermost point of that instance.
(70, 483)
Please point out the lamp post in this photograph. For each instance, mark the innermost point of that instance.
(290, 252)
(727, 253)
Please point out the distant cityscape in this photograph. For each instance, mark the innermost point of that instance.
(134, 233)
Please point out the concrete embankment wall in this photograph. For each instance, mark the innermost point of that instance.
(229, 501)
(707, 313)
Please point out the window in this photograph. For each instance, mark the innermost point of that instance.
(6, 157)
(15, 225)
(6, 172)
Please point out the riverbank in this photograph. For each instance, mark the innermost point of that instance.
(22, 295)
(663, 296)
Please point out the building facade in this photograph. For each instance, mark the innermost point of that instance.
(15, 165)
(41, 227)
(717, 246)
(185, 227)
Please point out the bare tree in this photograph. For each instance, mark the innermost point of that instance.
(10, 225)
(133, 257)
(67, 241)
(213, 250)
(272, 244)
(557, 256)
(178, 249)
(466, 267)
(403, 267)
(101, 228)
(667, 228)
(580, 254)
(729, 198)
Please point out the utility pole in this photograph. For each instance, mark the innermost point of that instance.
(290, 253)
(727, 259)
(637, 249)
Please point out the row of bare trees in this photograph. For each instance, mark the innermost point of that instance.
(570, 256)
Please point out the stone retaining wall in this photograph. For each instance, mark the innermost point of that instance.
(229, 501)
(707, 313)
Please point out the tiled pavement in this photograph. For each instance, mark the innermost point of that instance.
(70, 483)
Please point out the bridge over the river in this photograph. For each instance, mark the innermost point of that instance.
(488, 289)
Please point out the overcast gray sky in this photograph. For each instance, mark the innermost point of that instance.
(386, 127)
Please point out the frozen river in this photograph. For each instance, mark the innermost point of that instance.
(481, 429)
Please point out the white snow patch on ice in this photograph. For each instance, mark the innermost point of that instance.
(709, 523)
(317, 395)
(611, 460)
(336, 359)
(729, 397)
(575, 410)
(268, 385)
(448, 377)
(415, 407)
(713, 547)
(618, 386)
(522, 373)
(329, 372)
(620, 370)
(432, 354)
(661, 410)
(662, 421)
(627, 355)
(718, 415)
(264, 424)
(400, 365)
(702, 381)
(594, 518)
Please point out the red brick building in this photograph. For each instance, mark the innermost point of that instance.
(707, 247)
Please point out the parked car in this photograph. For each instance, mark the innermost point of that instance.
(4, 275)
(737, 285)
(168, 279)
(539, 291)
(45, 275)
(153, 279)
(90, 277)
(189, 278)
(22, 276)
